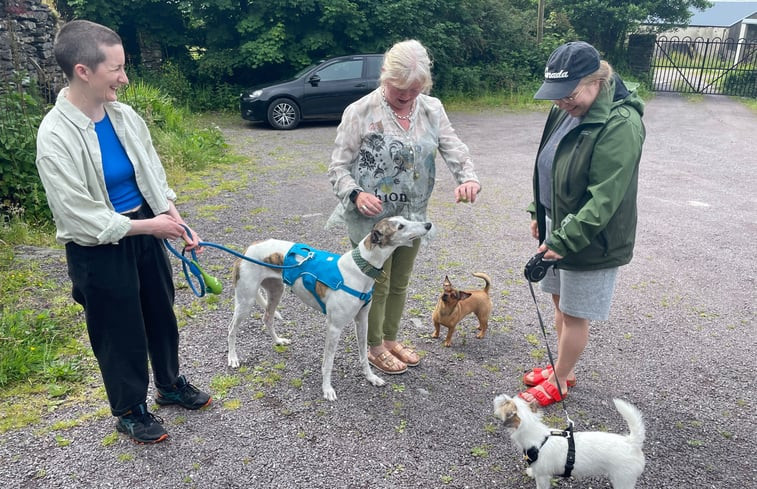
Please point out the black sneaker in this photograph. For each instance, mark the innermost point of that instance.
(142, 426)
(184, 394)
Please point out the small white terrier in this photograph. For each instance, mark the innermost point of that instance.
(596, 453)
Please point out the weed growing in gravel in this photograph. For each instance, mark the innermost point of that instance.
(209, 212)
(232, 404)
(480, 451)
(538, 354)
(221, 384)
(553, 420)
(109, 439)
(533, 339)
(62, 441)
(492, 368)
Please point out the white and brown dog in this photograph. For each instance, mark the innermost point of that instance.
(596, 453)
(343, 299)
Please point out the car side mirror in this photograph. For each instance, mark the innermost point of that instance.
(314, 80)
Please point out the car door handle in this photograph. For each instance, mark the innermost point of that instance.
(360, 85)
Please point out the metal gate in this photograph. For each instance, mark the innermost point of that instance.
(713, 66)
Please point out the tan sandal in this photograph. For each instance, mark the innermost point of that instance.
(387, 363)
(405, 354)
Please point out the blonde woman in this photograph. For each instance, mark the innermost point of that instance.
(383, 164)
(584, 210)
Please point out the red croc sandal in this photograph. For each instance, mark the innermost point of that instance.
(552, 394)
(539, 375)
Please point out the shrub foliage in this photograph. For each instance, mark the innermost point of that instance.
(20, 188)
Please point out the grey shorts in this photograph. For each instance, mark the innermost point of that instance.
(583, 294)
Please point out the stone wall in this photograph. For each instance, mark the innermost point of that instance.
(27, 32)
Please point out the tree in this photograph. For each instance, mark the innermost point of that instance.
(477, 45)
(605, 23)
(142, 24)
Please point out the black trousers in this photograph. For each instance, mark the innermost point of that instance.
(127, 292)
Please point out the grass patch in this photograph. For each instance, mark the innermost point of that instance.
(751, 103)
(520, 99)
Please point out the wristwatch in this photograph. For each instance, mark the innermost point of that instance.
(353, 195)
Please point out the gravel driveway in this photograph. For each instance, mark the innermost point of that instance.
(679, 342)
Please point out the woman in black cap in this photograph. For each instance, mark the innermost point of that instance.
(584, 209)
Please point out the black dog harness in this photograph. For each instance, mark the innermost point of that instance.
(532, 454)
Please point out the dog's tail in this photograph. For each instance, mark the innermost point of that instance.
(485, 278)
(634, 420)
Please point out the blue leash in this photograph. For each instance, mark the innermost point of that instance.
(208, 282)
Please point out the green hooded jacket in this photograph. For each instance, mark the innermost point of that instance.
(595, 182)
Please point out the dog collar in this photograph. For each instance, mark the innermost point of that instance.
(364, 266)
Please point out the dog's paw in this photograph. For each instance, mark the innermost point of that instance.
(233, 361)
(329, 393)
(281, 341)
(375, 380)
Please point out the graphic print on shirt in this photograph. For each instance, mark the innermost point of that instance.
(387, 168)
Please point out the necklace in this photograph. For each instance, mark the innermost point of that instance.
(394, 113)
(404, 117)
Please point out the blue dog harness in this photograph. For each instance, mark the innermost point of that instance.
(317, 266)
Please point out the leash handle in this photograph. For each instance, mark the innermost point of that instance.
(191, 268)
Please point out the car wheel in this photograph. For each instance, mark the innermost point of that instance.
(283, 113)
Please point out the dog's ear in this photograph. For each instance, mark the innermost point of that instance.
(463, 295)
(376, 236)
(447, 283)
(382, 232)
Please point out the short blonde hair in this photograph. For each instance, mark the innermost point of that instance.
(405, 64)
(603, 74)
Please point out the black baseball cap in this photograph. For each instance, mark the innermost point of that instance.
(566, 66)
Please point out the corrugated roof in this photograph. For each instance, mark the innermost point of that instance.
(723, 14)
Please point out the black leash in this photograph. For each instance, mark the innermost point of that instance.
(535, 270)
(549, 352)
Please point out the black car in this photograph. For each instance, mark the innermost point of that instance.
(319, 92)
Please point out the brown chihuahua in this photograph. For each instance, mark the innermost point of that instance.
(454, 305)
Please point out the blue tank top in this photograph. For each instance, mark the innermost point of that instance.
(117, 169)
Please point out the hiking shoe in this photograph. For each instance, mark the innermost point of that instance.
(184, 394)
(142, 426)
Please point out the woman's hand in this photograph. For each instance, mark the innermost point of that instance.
(368, 204)
(467, 192)
(535, 229)
(192, 243)
(549, 255)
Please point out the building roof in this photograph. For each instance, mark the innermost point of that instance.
(723, 14)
